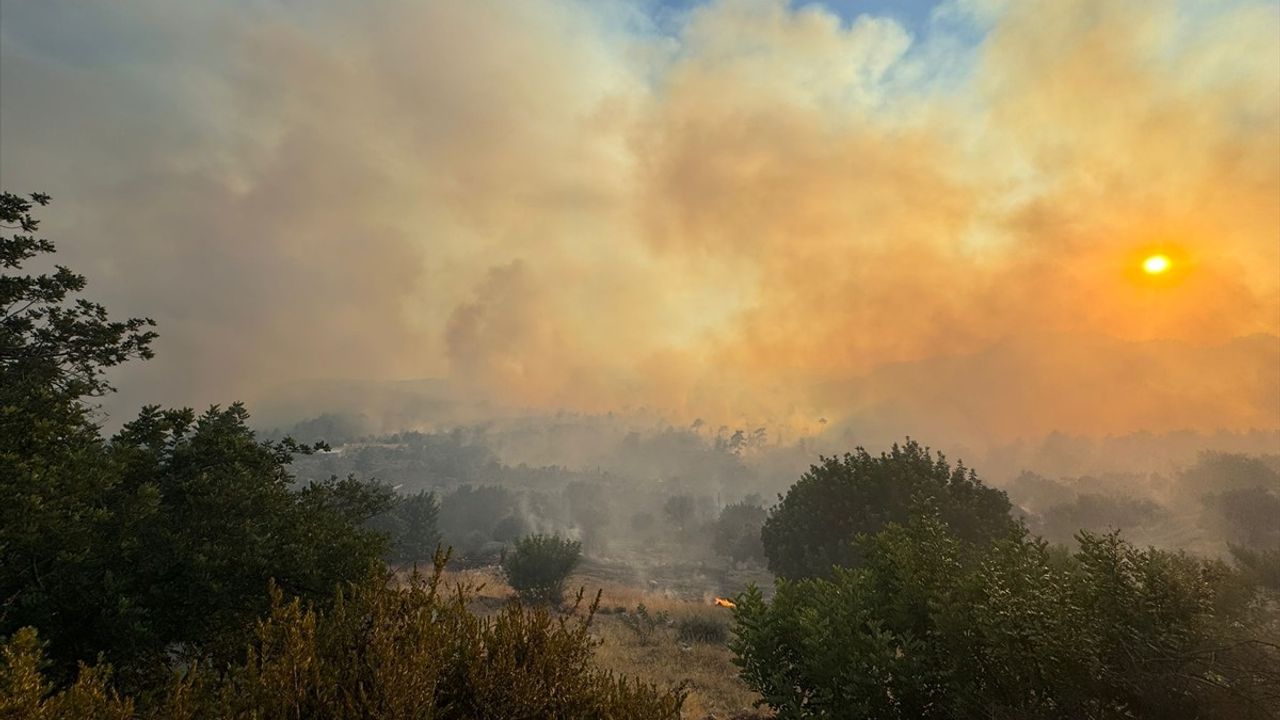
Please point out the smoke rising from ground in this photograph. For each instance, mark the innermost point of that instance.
(748, 212)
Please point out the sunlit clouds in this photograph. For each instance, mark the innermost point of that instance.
(1020, 217)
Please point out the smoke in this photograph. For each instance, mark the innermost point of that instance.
(748, 212)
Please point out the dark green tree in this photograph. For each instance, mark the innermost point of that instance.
(161, 540)
(410, 527)
(815, 526)
(61, 505)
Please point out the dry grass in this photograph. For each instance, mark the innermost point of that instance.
(706, 669)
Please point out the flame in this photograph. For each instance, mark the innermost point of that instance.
(725, 602)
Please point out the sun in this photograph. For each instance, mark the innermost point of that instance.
(1156, 264)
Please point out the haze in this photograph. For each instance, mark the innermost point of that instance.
(862, 219)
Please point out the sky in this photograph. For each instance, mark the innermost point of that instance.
(887, 217)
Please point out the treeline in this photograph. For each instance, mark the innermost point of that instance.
(135, 569)
(1220, 500)
(480, 522)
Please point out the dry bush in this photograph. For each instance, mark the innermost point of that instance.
(703, 628)
(644, 624)
(414, 651)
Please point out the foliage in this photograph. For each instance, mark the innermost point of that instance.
(162, 539)
(1262, 566)
(469, 514)
(176, 547)
(538, 566)
(54, 349)
(1218, 471)
(1096, 513)
(589, 510)
(680, 511)
(815, 526)
(410, 527)
(26, 694)
(60, 508)
(401, 652)
(737, 532)
(510, 528)
(1248, 516)
(702, 628)
(930, 626)
(644, 624)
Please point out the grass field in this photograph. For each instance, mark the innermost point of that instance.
(705, 668)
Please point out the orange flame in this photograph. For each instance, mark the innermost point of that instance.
(725, 602)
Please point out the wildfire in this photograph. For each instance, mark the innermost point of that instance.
(724, 602)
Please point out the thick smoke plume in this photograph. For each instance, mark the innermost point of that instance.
(748, 212)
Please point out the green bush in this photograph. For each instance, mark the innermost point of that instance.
(702, 628)
(815, 527)
(413, 651)
(538, 566)
(644, 624)
(930, 626)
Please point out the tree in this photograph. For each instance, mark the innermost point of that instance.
(410, 527)
(588, 506)
(680, 511)
(539, 565)
(1096, 513)
(815, 526)
(510, 529)
(163, 538)
(1248, 516)
(737, 532)
(469, 514)
(60, 505)
(177, 551)
(932, 626)
(1261, 565)
(53, 349)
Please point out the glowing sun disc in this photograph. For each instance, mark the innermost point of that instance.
(1156, 264)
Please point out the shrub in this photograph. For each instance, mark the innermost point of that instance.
(931, 626)
(538, 566)
(737, 532)
(644, 624)
(25, 693)
(702, 628)
(816, 525)
(412, 651)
